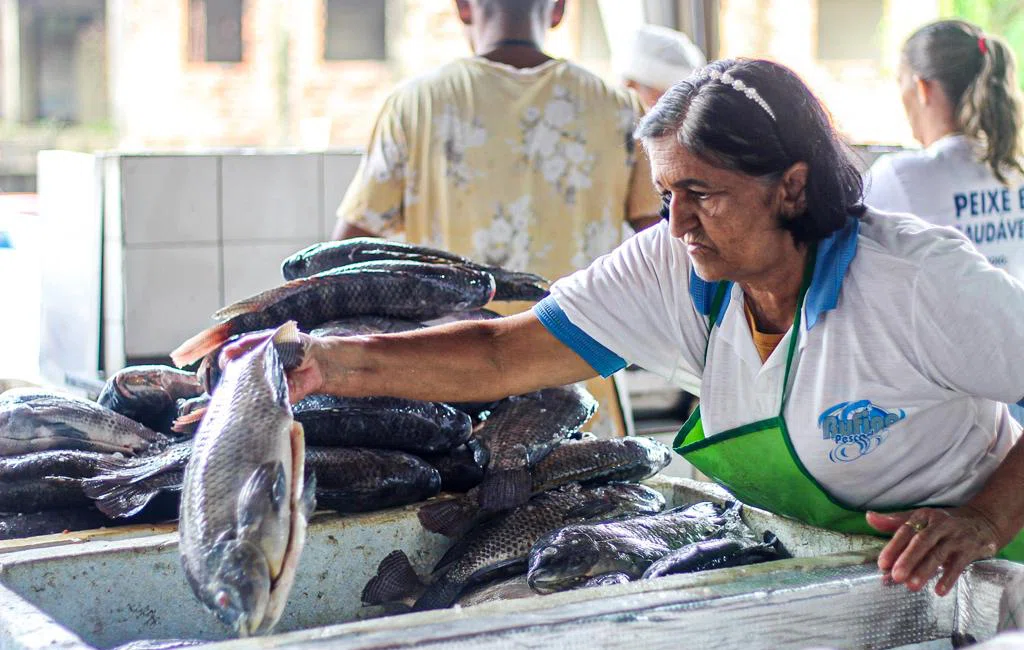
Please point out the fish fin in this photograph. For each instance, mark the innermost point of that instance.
(185, 423)
(449, 518)
(202, 344)
(260, 301)
(504, 569)
(267, 485)
(395, 580)
(505, 488)
(515, 277)
(288, 344)
(440, 594)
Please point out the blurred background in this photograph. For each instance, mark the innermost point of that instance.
(159, 157)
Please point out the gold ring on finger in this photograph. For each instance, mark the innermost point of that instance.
(918, 526)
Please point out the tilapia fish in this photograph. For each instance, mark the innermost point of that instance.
(520, 432)
(382, 423)
(717, 554)
(365, 325)
(39, 421)
(149, 394)
(244, 502)
(47, 480)
(499, 546)
(585, 461)
(510, 285)
(358, 480)
(410, 290)
(571, 556)
(461, 468)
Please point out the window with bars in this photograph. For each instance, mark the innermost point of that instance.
(355, 30)
(215, 30)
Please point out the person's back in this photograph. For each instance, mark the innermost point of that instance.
(959, 90)
(531, 169)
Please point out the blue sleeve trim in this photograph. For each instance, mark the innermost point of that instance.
(600, 358)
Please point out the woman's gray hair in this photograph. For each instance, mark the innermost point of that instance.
(732, 129)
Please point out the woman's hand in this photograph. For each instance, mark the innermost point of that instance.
(304, 380)
(926, 540)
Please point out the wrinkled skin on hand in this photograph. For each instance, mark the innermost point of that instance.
(307, 379)
(950, 539)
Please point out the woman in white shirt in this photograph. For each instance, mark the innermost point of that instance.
(960, 91)
(846, 360)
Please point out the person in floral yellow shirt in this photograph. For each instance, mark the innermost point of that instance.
(510, 157)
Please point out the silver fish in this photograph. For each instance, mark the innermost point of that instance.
(244, 503)
(36, 420)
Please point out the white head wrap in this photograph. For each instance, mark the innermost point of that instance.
(658, 57)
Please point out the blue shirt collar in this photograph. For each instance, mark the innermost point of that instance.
(835, 253)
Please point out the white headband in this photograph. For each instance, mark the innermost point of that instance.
(738, 84)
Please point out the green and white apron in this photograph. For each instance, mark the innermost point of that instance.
(758, 464)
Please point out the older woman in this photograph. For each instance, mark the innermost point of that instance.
(844, 358)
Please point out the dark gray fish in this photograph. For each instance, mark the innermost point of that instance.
(510, 285)
(520, 432)
(499, 546)
(587, 462)
(382, 423)
(47, 480)
(61, 421)
(717, 554)
(513, 588)
(149, 394)
(358, 480)
(410, 290)
(568, 557)
(49, 522)
(461, 468)
(606, 579)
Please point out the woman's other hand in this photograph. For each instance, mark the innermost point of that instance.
(927, 540)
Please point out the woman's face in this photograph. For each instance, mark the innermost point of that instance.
(908, 93)
(727, 219)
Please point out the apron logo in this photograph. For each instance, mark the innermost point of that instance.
(857, 428)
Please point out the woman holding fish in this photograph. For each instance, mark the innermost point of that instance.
(845, 358)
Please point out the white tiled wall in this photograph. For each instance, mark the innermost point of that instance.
(271, 197)
(202, 231)
(170, 293)
(169, 199)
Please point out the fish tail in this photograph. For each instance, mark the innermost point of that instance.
(396, 580)
(289, 346)
(449, 518)
(506, 488)
(202, 344)
(122, 501)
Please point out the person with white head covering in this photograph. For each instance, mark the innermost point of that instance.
(654, 59)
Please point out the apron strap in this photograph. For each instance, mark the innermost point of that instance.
(812, 253)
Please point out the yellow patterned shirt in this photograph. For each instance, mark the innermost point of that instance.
(530, 169)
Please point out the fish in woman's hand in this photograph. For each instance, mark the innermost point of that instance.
(35, 420)
(244, 502)
(402, 289)
(569, 557)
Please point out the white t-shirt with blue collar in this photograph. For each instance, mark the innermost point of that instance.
(946, 184)
(895, 392)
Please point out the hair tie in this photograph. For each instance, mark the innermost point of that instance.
(982, 46)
